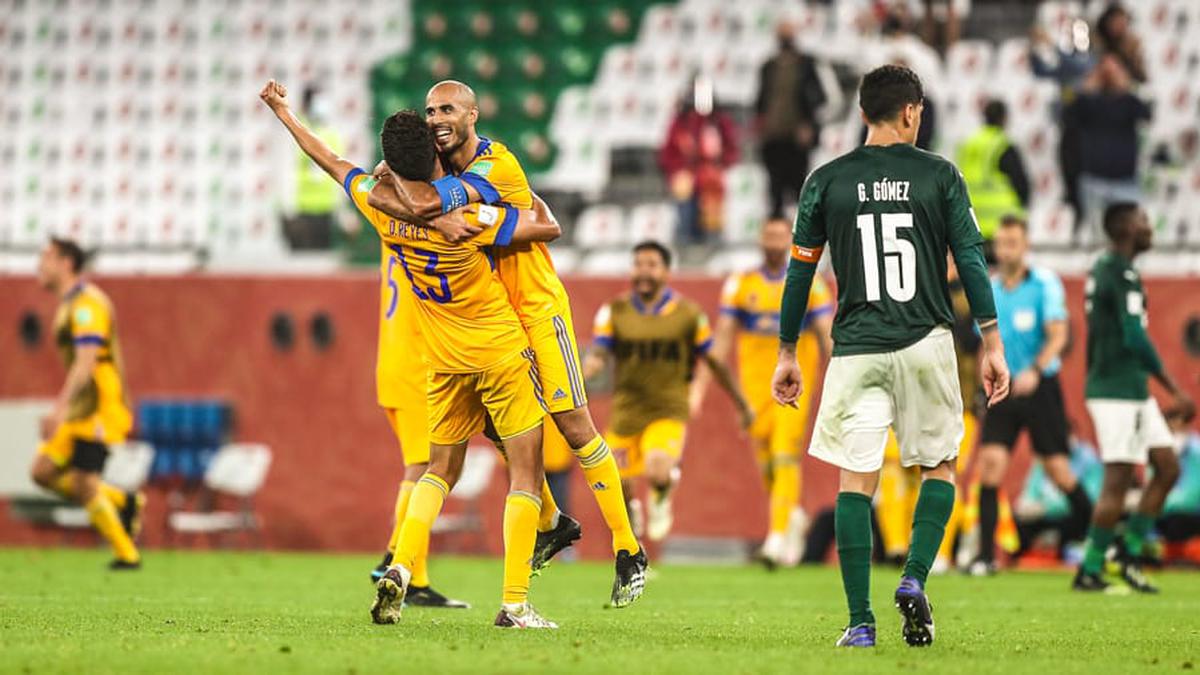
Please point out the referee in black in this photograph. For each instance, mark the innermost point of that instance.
(1032, 313)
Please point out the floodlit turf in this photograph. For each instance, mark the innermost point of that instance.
(61, 611)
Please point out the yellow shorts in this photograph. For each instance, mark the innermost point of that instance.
(410, 424)
(663, 435)
(105, 428)
(778, 431)
(459, 403)
(557, 363)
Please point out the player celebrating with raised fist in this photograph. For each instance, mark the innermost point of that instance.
(889, 212)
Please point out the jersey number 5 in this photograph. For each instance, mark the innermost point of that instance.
(440, 295)
(899, 257)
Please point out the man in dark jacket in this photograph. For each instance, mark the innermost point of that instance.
(789, 95)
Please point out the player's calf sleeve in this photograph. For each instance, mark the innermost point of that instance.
(1137, 528)
(852, 529)
(1081, 510)
(548, 513)
(520, 532)
(402, 498)
(785, 493)
(104, 517)
(934, 507)
(1099, 539)
(116, 495)
(602, 476)
(989, 514)
(428, 496)
(947, 549)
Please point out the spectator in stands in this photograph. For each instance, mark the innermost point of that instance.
(789, 96)
(1113, 36)
(1067, 61)
(701, 144)
(310, 226)
(994, 172)
(1106, 114)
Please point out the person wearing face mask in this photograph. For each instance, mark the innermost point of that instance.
(789, 96)
(310, 225)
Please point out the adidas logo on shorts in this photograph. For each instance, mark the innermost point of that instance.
(599, 486)
(559, 395)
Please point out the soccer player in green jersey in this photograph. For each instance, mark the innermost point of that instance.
(889, 212)
(1130, 427)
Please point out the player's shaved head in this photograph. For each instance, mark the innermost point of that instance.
(453, 89)
(451, 111)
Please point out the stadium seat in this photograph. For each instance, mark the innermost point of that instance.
(1051, 224)
(478, 469)
(238, 470)
(605, 263)
(600, 226)
(657, 222)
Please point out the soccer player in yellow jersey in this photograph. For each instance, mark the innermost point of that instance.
(91, 411)
(479, 362)
(400, 375)
(482, 170)
(750, 312)
(655, 337)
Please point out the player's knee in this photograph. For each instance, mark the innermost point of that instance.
(413, 472)
(576, 426)
(993, 462)
(1166, 467)
(40, 474)
(87, 485)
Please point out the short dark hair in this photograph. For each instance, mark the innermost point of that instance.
(1013, 220)
(886, 90)
(1116, 215)
(408, 146)
(70, 250)
(995, 113)
(651, 245)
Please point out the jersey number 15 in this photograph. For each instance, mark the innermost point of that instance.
(899, 257)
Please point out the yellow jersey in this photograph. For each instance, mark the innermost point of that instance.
(526, 269)
(400, 359)
(463, 310)
(753, 298)
(86, 317)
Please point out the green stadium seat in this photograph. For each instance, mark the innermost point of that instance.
(517, 23)
(482, 65)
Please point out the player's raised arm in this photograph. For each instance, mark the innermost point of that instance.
(966, 245)
(274, 95)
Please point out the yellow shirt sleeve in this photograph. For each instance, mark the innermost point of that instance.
(731, 296)
(498, 177)
(90, 321)
(703, 338)
(602, 327)
(358, 186)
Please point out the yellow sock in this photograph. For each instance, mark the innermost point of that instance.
(402, 497)
(600, 471)
(426, 501)
(115, 495)
(104, 516)
(548, 515)
(520, 531)
(785, 492)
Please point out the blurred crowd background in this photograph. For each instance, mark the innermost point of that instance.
(134, 125)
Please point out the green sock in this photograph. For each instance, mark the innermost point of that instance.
(934, 505)
(1099, 539)
(1136, 529)
(852, 527)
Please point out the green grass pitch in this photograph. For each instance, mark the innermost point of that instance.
(60, 611)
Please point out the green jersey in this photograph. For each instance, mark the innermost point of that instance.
(889, 214)
(1120, 356)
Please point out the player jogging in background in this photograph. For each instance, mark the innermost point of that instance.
(888, 212)
(750, 313)
(1031, 307)
(479, 358)
(482, 170)
(654, 336)
(400, 380)
(1130, 427)
(91, 411)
